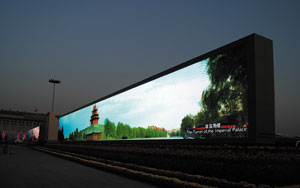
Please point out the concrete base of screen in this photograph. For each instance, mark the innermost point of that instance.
(261, 91)
(52, 126)
(50, 130)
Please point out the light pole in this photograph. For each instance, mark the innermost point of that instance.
(54, 82)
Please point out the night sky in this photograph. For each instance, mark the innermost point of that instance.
(98, 47)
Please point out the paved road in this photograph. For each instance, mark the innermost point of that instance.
(32, 169)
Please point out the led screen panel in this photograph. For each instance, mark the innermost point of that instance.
(33, 134)
(204, 99)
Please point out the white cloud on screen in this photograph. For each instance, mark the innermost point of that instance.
(162, 102)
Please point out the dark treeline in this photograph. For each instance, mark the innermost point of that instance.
(60, 134)
(175, 133)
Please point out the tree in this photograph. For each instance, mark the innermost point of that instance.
(186, 123)
(210, 106)
(109, 129)
(141, 132)
(76, 134)
(200, 118)
(134, 132)
(112, 130)
(226, 99)
(60, 134)
(126, 131)
(106, 128)
(130, 133)
(119, 130)
(71, 136)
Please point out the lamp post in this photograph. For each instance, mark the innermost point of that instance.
(54, 82)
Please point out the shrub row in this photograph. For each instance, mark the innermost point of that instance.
(176, 176)
(276, 169)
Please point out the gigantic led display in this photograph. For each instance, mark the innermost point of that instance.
(204, 99)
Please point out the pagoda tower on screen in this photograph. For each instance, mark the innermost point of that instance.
(95, 116)
(94, 131)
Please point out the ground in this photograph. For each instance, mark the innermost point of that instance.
(30, 168)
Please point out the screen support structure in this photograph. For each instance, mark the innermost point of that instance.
(261, 91)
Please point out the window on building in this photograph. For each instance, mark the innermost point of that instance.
(29, 123)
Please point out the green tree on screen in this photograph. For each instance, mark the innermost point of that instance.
(175, 133)
(126, 131)
(186, 123)
(119, 130)
(60, 134)
(76, 134)
(109, 129)
(226, 98)
(134, 130)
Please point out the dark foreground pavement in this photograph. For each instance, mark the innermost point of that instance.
(28, 168)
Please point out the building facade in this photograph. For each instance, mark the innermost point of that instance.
(15, 124)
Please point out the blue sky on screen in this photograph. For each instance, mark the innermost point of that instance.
(162, 102)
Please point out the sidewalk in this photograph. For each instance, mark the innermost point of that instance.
(28, 168)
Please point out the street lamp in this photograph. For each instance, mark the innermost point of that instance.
(54, 82)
